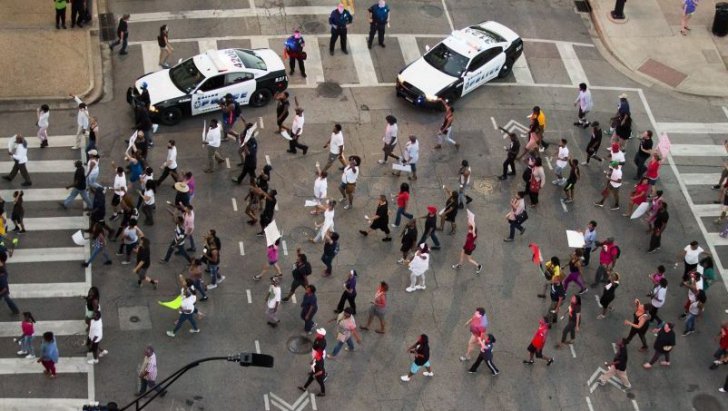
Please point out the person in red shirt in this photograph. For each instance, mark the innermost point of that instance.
(608, 254)
(538, 342)
(653, 171)
(468, 249)
(477, 325)
(638, 196)
(402, 200)
(721, 355)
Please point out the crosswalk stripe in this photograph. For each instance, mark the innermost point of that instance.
(707, 210)
(314, 66)
(715, 240)
(521, 71)
(60, 327)
(53, 141)
(39, 194)
(571, 63)
(206, 44)
(697, 150)
(362, 60)
(693, 128)
(409, 47)
(224, 14)
(55, 223)
(43, 166)
(45, 404)
(694, 179)
(150, 57)
(40, 255)
(49, 290)
(65, 365)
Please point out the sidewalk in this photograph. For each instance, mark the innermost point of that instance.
(650, 46)
(43, 64)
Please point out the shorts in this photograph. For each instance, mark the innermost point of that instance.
(115, 200)
(142, 274)
(719, 353)
(651, 181)
(582, 114)
(348, 188)
(378, 312)
(333, 157)
(272, 263)
(569, 185)
(467, 251)
(725, 200)
(534, 350)
(414, 367)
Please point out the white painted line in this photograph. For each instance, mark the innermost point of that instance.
(596, 297)
(44, 166)
(90, 381)
(257, 346)
(65, 365)
(150, 57)
(259, 43)
(53, 141)
(571, 63)
(252, 4)
(447, 14)
(285, 247)
(614, 347)
(39, 194)
(697, 150)
(693, 128)
(266, 401)
(55, 223)
(573, 43)
(715, 240)
(595, 375)
(589, 404)
(206, 44)
(219, 14)
(242, 248)
(227, 162)
(495, 125)
(573, 353)
(362, 61)
(48, 290)
(634, 404)
(61, 327)
(235, 204)
(564, 207)
(260, 120)
(250, 296)
(706, 210)
(548, 162)
(521, 71)
(409, 47)
(45, 404)
(313, 402)
(41, 255)
(314, 67)
(267, 159)
(293, 298)
(694, 179)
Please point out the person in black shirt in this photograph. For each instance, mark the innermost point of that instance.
(78, 13)
(338, 20)
(409, 236)
(658, 227)
(430, 228)
(421, 350)
(317, 373)
(511, 153)
(4, 287)
(122, 33)
(595, 141)
(664, 343)
(618, 366)
(270, 208)
(643, 153)
(250, 161)
(557, 295)
(331, 248)
(282, 110)
(79, 187)
(301, 271)
(380, 221)
(143, 263)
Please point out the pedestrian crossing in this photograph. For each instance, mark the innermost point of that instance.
(41, 297)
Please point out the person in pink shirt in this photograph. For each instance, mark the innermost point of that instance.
(477, 325)
(272, 255)
(26, 340)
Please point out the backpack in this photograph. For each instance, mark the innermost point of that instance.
(238, 111)
(619, 252)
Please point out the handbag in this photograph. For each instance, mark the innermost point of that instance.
(304, 55)
(521, 218)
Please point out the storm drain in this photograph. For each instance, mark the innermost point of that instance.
(583, 6)
(107, 27)
(299, 345)
(328, 89)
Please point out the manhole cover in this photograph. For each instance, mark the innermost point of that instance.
(484, 186)
(312, 27)
(431, 11)
(328, 90)
(705, 402)
(299, 345)
(134, 319)
(301, 234)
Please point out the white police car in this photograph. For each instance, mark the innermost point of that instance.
(464, 61)
(197, 84)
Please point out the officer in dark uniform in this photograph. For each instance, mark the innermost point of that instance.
(294, 47)
(338, 20)
(378, 20)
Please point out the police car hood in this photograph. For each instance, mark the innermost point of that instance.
(272, 61)
(160, 86)
(426, 78)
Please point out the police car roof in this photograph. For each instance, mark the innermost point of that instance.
(471, 40)
(214, 62)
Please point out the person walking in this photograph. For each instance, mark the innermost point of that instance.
(92, 304)
(653, 171)
(272, 257)
(318, 373)
(83, 120)
(410, 156)
(644, 152)
(637, 196)
(478, 324)
(378, 308)
(148, 373)
(43, 113)
(688, 9)
(536, 181)
(186, 313)
(418, 266)
(378, 21)
(562, 160)
(48, 354)
(130, 236)
(338, 20)
(614, 181)
(430, 228)
(188, 213)
(296, 131)
(390, 137)
(517, 216)
(618, 366)
(664, 343)
(144, 261)
(512, 149)
(93, 170)
(402, 199)
(300, 273)
(346, 332)
(486, 342)
(26, 337)
(421, 351)
(18, 151)
(464, 182)
(269, 209)
(309, 307)
(18, 212)
(409, 241)
(347, 188)
(380, 220)
(211, 257)
(331, 249)
(165, 48)
(535, 348)
(148, 197)
(639, 324)
(575, 272)
(212, 141)
(178, 242)
(445, 131)
(336, 148)
(95, 335)
(60, 6)
(282, 110)
(294, 48)
(250, 161)
(609, 252)
(695, 309)
(691, 257)
(584, 103)
(608, 295)
(721, 354)
(595, 141)
(78, 187)
(468, 249)
(273, 301)
(574, 176)
(169, 167)
(574, 321)
(450, 211)
(658, 296)
(349, 294)
(122, 35)
(5, 286)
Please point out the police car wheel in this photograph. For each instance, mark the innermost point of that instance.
(171, 116)
(505, 69)
(261, 97)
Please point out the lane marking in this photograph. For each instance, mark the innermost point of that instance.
(589, 404)
(42, 255)
(250, 296)
(220, 14)
(44, 166)
(46, 404)
(40, 194)
(614, 347)
(68, 140)
(260, 120)
(572, 64)
(573, 353)
(242, 248)
(90, 379)
(693, 128)
(409, 47)
(252, 4)
(235, 204)
(285, 247)
(495, 125)
(694, 179)
(267, 159)
(60, 327)
(697, 150)
(49, 290)
(725, 110)
(447, 14)
(150, 59)
(257, 346)
(634, 404)
(55, 223)
(363, 61)
(564, 207)
(65, 365)
(313, 402)
(266, 401)
(521, 71)
(227, 162)
(314, 66)
(548, 162)
(707, 210)
(293, 298)
(206, 44)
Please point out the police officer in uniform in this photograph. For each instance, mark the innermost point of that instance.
(338, 20)
(378, 20)
(294, 47)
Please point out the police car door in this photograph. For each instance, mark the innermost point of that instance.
(241, 85)
(483, 68)
(208, 95)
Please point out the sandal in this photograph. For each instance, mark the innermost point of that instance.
(379, 331)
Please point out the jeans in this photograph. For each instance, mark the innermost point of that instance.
(432, 235)
(152, 385)
(327, 259)
(199, 287)
(513, 225)
(690, 322)
(307, 324)
(180, 250)
(587, 255)
(601, 275)
(91, 181)
(75, 192)
(339, 345)
(122, 42)
(27, 344)
(11, 304)
(192, 242)
(214, 273)
(96, 251)
(168, 171)
(185, 317)
(401, 212)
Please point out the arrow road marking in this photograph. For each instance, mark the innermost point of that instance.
(267, 402)
(513, 126)
(282, 405)
(589, 404)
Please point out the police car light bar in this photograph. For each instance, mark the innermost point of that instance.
(464, 37)
(216, 61)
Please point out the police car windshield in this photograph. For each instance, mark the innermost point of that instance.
(250, 60)
(446, 60)
(186, 76)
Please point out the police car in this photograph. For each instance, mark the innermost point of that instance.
(196, 85)
(464, 61)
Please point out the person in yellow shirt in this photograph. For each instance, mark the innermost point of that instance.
(552, 273)
(539, 114)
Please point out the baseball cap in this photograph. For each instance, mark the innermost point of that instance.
(431, 209)
(321, 331)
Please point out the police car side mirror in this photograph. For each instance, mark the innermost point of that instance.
(179, 61)
(198, 91)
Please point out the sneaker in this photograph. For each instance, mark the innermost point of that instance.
(92, 361)
(686, 333)
(435, 247)
(716, 187)
(601, 317)
(108, 262)
(615, 208)
(456, 266)
(529, 362)
(722, 390)
(428, 374)
(400, 261)
(21, 352)
(125, 262)
(170, 333)
(598, 205)
(380, 161)
(30, 356)
(665, 363)
(541, 149)
(394, 225)
(119, 253)
(647, 365)
(346, 207)
(480, 267)
(555, 182)
(420, 287)
(410, 289)
(212, 286)
(551, 361)
(194, 331)
(584, 291)
(221, 279)
(102, 353)
(584, 163)
(463, 358)
(404, 378)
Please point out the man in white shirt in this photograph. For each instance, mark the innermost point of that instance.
(614, 181)
(95, 335)
(18, 150)
(336, 148)
(617, 154)
(273, 301)
(390, 139)
(562, 160)
(296, 130)
(419, 264)
(212, 141)
(82, 121)
(170, 164)
(186, 312)
(411, 155)
(584, 103)
(348, 183)
(119, 188)
(658, 294)
(691, 257)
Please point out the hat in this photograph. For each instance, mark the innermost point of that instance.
(615, 147)
(145, 85)
(431, 209)
(613, 163)
(181, 187)
(321, 331)
(275, 279)
(623, 95)
(93, 152)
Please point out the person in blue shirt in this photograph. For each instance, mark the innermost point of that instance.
(378, 20)
(338, 20)
(294, 48)
(49, 354)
